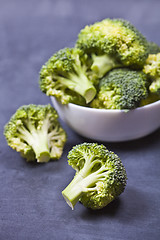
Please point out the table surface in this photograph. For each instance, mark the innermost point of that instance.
(31, 204)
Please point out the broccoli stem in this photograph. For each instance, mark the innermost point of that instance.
(84, 87)
(73, 191)
(83, 181)
(38, 140)
(103, 64)
(79, 83)
(39, 143)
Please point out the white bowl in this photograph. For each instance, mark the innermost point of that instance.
(110, 125)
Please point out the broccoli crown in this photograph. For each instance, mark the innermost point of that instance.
(152, 65)
(152, 69)
(65, 76)
(117, 38)
(35, 132)
(153, 48)
(155, 87)
(121, 89)
(100, 176)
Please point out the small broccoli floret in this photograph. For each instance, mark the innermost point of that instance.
(113, 43)
(121, 89)
(66, 77)
(152, 69)
(100, 176)
(153, 48)
(35, 132)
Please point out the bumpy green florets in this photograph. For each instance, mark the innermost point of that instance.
(152, 69)
(65, 76)
(153, 48)
(100, 176)
(116, 38)
(121, 89)
(35, 132)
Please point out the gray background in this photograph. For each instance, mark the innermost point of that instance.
(31, 205)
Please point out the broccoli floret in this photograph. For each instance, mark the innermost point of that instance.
(113, 43)
(152, 69)
(100, 176)
(153, 48)
(66, 77)
(121, 89)
(35, 132)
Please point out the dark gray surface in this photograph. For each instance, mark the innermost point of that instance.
(31, 205)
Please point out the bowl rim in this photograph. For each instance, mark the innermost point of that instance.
(73, 105)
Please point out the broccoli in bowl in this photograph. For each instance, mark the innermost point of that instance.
(121, 88)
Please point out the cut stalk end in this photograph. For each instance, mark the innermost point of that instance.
(43, 157)
(90, 94)
(68, 201)
(73, 192)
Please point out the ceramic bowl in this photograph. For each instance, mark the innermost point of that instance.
(110, 125)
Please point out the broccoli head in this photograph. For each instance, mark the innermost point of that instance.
(113, 43)
(35, 132)
(152, 69)
(121, 88)
(100, 176)
(66, 76)
(153, 48)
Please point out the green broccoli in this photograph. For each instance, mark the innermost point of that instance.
(100, 176)
(35, 132)
(66, 76)
(153, 48)
(112, 43)
(152, 69)
(121, 88)
(151, 98)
